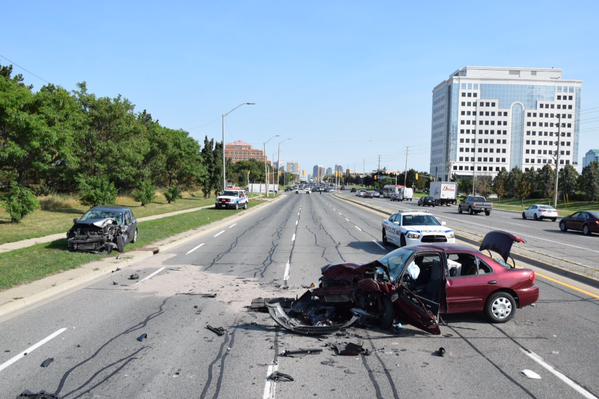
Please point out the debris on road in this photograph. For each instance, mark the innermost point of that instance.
(349, 349)
(280, 377)
(200, 294)
(47, 362)
(115, 283)
(217, 330)
(142, 337)
(116, 270)
(531, 374)
(134, 276)
(300, 352)
(439, 352)
(39, 395)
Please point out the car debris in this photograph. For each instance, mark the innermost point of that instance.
(300, 352)
(200, 294)
(439, 352)
(277, 376)
(134, 276)
(349, 349)
(36, 395)
(47, 362)
(217, 330)
(142, 337)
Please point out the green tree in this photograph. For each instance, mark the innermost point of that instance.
(207, 154)
(513, 182)
(588, 182)
(145, 192)
(545, 183)
(20, 202)
(500, 183)
(568, 178)
(172, 194)
(527, 183)
(95, 190)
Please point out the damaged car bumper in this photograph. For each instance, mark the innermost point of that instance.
(293, 324)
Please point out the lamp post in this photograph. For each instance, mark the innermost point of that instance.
(265, 166)
(279, 157)
(222, 120)
(557, 153)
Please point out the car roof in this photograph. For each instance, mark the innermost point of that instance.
(415, 213)
(114, 208)
(444, 247)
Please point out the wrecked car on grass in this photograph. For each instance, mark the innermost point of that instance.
(413, 285)
(103, 229)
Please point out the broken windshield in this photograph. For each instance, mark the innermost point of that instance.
(96, 214)
(395, 262)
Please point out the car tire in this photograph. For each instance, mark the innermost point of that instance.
(470, 210)
(500, 307)
(562, 226)
(535, 217)
(384, 238)
(387, 313)
(586, 230)
(487, 213)
(553, 219)
(236, 206)
(135, 236)
(245, 206)
(402, 241)
(460, 209)
(120, 243)
(523, 216)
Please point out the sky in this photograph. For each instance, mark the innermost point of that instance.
(346, 81)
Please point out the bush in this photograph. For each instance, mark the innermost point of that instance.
(20, 202)
(97, 191)
(172, 193)
(145, 193)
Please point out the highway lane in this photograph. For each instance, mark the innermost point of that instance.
(542, 236)
(98, 354)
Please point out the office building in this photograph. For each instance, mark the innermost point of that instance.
(486, 118)
(242, 151)
(590, 157)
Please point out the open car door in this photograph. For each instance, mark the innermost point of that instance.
(501, 242)
(414, 310)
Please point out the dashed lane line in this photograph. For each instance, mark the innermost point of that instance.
(269, 385)
(357, 228)
(151, 275)
(195, 248)
(233, 225)
(33, 347)
(293, 237)
(219, 233)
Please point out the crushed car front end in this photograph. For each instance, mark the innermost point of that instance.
(93, 236)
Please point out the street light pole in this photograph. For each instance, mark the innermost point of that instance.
(559, 125)
(265, 165)
(279, 157)
(222, 124)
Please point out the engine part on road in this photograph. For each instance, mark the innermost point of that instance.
(277, 376)
(47, 362)
(220, 331)
(349, 349)
(142, 337)
(300, 352)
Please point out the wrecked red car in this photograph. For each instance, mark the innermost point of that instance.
(413, 285)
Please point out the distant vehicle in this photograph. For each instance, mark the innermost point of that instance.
(389, 190)
(103, 228)
(412, 228)
(375, 194)
(443, 192)
(585, 221)
(540, 212)
(475, 204)
(426, 201)
(232, 199)
(353, 190)
(404, 194)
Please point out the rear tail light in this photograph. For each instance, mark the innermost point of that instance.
(596, 221)
(533, 277)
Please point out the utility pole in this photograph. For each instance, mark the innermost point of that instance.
(222, 125)
(475, 140)
(559, 125)
(405, 173)
(379, 167)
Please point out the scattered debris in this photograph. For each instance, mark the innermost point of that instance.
(47, 362)
(142, 337)
(217, 330)
(39, 395)
(200, 294)
(177, 373)
(116, 270)
(439, 352)
(134, 276)
(312, 285)
(300, 352)
(555, 352)
(531, 374)
(349, 349)
(115, 283)
(280, 377)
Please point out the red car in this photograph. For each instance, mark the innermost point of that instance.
(414, 284)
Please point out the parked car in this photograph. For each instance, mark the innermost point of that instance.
(353, 190)
(375, 194)
(475, 204)
(103, 228)
(585, 221)
(412, 228)
(426, 201)
(413, 285)
(540, 212)
(232, 199)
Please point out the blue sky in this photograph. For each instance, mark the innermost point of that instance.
(346, 80)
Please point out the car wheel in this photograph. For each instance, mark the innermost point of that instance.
(500, 307)
(553, 219)
(236, 206)
(245, 206)
(459, 209)
(120, 243)
(471, 211)
(523, 216)
(586, 230)
(535, 217)
(402, 241)
(387, 313)
(562, 226)
(487, 213)
(135, 236)
(385, 242)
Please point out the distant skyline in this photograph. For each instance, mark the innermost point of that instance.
(346, 80)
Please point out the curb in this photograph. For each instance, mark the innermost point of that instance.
(54, 286)
(523, 255)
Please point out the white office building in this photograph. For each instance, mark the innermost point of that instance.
(486, 118)
(590, 157)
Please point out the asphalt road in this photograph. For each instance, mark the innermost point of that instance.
(91, 333)
(543, 237)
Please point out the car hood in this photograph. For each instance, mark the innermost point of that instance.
(97, 222)
(229, 197)
(428, 229)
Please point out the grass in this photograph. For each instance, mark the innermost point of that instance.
(33, 263)
(58, 211)
(564, 209)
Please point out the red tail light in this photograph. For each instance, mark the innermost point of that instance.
(596, 221)
(532, 277)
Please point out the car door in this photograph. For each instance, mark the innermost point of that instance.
(575, 221)
(128, 227)
(530, 212)
(467, 291)
(388, 226)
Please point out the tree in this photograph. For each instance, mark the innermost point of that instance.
(20, 202)
(464, 185)
(500, 183)
(545, 184)
(513, 182)
(568, 178)
(95, 190)
(145, 192)
(207, 154)
(588, 182)
(172, 194)
(526, 186)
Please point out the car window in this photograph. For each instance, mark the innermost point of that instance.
(461, 265)
(395, 261)
(483, 268)
(595, 214)
(420, 220)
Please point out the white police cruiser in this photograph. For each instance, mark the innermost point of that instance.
(412, 228)
(232, 198)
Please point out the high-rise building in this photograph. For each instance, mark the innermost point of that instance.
(486, 118)
(293, 167)
(329, 171)
(321, 173)
(242, 151)
(338, 169)
(590, 157)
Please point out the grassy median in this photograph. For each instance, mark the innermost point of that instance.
(564, 209)
(33, 263)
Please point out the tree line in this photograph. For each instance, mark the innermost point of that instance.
(56, 141)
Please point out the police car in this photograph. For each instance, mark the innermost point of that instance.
(412, 228)
(232, 198)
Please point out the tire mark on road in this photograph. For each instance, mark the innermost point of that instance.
(384, 366)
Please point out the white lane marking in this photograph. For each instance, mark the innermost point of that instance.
(346, 219)
(219, 233)
(33, 347)
(293, 237)
(377, 243)
(296, 222)
(559, 375)
(270, 385)
(286, 274)
(357, 228)
(151, 275)
(194, 248)
(233, 225)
